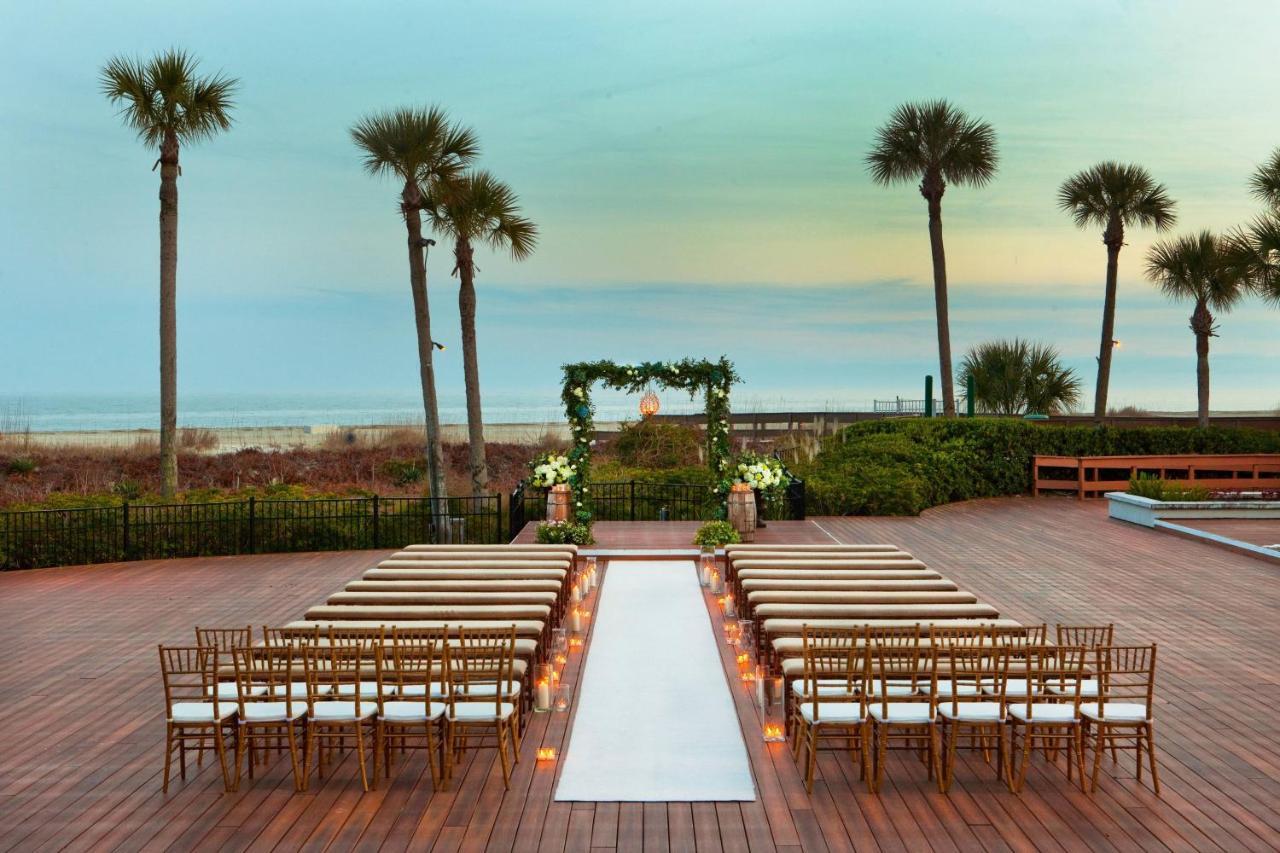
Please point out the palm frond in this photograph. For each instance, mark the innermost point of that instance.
(1011, 377)
(1123, 190)
(1265, 182)
(164, 95)
(414, 144)
(479, 207)
(1254, 252)
(933, 135)
(1196, 267)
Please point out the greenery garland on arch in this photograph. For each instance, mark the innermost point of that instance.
(713, 378)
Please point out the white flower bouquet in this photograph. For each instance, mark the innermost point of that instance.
(550, 469)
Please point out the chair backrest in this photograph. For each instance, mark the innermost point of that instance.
(1086, 635)
(188, 673)
(894, 636)
(407, 671)
(1126, 674)
(335, 672)
(944, 636)
(835, 667)
(224, 640)
(367, 638)
(1018, 637)
(897, 666)
(482, 663)
(291, 637)
(973, 671)
(1059, 668)
(276, 668)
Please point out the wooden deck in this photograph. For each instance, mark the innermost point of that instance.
(81, 713)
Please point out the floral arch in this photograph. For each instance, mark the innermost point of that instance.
(712, 378)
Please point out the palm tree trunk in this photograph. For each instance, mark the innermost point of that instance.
(932, 188)
(1113, 237)
(422, 321)
(1202, 325)
(169, 316)
(462, 254)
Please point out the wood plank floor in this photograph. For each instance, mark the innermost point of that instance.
(81, 714)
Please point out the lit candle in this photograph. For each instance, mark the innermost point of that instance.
(543, 699)
(575, 593)
(562, 698)
(575, 620)
(546, 753)
(761, 699)
(773, 733)
(717, 586)
(730, 612)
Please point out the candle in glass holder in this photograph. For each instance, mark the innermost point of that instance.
(744, 661)
(575, 620)
(773, 733)
(575, 593)
(777, 685)
(546, 753)
(730, 611)
(717, 584)
(542, 688)
(746, 630)
(562, 698)
(762, 698)
(731, 633)
(705, 567)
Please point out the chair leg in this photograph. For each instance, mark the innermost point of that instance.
(168, 755)
(1099, 746)
(1078, 743)
(431, 753)
(364, 773)
(950, 733)
(1151, 755)
(219, 736)
(299, 782)
(242, 738)
(502, 754)
(309, 755)
(811, 757)
(882, 742)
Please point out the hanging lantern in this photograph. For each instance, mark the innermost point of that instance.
(649, 404)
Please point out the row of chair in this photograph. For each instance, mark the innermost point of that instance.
(464, 604)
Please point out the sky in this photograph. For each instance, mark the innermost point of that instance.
(695, 169)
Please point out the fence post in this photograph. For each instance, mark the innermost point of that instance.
(633, 500)
(375, 521)
(124, 534)
(928, 396)
(253, 502)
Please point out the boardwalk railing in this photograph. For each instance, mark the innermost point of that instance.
(59, 537)
(1093, 476)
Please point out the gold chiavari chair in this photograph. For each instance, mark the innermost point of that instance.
(481, 678)
(194, 713)
(903, 705)
(1019, 639)
(370, 641)
(1087, 637)
(1125, 708)
(295, 637)
(266, 717)
(905, 638)
(294, 642)
(829, 643)
(975, 703)
(1050, 722)
(338, 710)
(407, 702)
(832, 702)
(222, 642)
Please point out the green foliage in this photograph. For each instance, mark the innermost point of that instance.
(933, 137)
(129, 490)
(403, 472)
(1123, 191)
(716, 534)
(1151, 486)
(20, 465)
(164, 96)
(564, 532)
(651, 444)
(713, 378)
(1011, 377)
(902, 467)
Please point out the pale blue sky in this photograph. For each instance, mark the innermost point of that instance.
(696, 169)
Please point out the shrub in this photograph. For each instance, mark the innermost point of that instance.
(564, 532)
(652, 444)
(402, 472)
(129, 490)
(21, 465)
(716, 534)
(1151, 486)
(902, 467)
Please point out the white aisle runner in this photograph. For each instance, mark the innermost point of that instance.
(655, 720)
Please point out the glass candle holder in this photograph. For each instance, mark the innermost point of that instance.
(762, 688)
(561, 703)
(717, 583)
(559, 640)
(773, 733)
(730, 607)
(542, 688)
(706, 565)
(746, 633)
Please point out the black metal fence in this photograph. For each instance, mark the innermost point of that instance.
(632, 500)
(60, 537)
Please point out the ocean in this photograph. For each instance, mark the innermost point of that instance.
(127, 411)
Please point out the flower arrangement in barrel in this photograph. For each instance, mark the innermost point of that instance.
(766, 476)
(551, 468)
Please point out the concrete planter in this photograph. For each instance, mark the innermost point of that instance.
(1168, 514)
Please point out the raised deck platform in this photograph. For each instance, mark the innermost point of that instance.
(81, 712)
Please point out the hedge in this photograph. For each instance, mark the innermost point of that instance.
(902, 467)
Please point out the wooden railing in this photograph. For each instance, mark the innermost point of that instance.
(1096, 475)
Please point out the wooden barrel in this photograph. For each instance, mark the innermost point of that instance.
(559, 498)
(742, 511)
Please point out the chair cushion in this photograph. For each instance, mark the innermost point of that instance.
(826, 687)
(229, 690)
(946, 687)
(340, 711)
(1044, 712)
(480, 711)
(972, 712)
(486, 689)
(905, 713)
(368, 689)
(410, 712)
(1116, 712)
(270, 712)
(1088, 687)
(298, 690)
(437, 690)
(833, 713)
(199, 712)
(1013, 688)
(895, 688)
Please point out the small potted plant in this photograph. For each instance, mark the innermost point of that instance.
(716, 534)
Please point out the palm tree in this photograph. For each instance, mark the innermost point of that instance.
(937, 144)
(1196, 268)
(1017, 376)
(419, 148)
(1265, 183)
(165, 101)
(1114, 196)
(477, 207)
